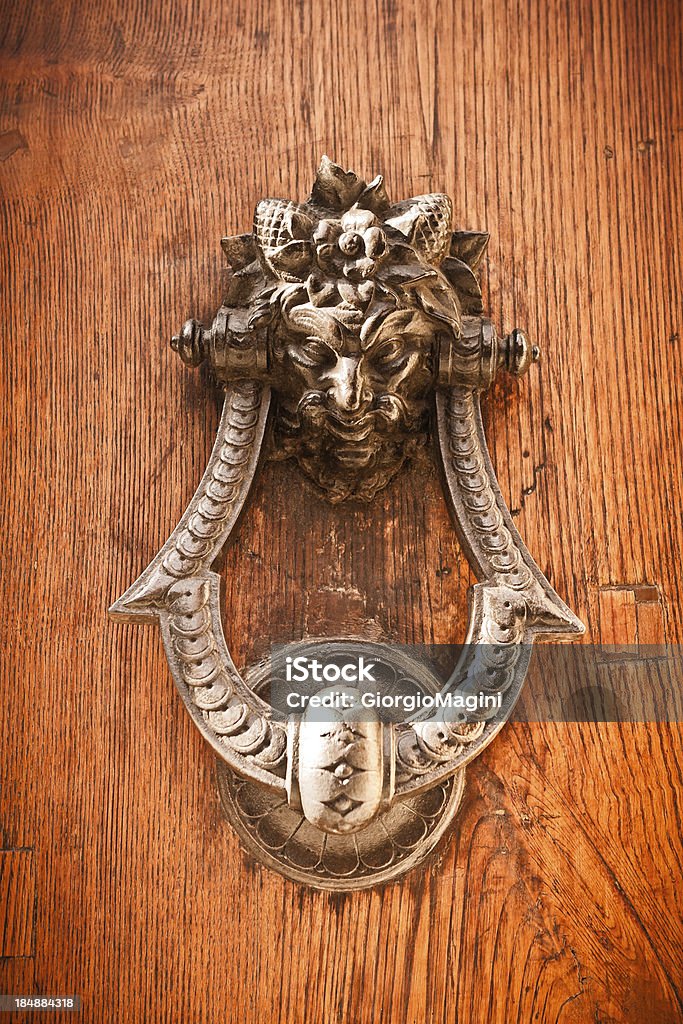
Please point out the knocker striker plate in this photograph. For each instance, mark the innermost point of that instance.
(353, 323)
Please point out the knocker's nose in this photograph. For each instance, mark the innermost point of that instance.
(346, 384)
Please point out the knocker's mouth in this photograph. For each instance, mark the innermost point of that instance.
(349, 453)
(351, 431)
(383, 415)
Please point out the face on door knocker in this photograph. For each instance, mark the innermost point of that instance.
(355, 323)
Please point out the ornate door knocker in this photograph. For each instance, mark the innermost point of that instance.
(354, 319)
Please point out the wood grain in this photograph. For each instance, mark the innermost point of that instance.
(132, 136)
(17, 903)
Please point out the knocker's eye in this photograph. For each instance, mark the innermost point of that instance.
(390, 354)
(312, 352)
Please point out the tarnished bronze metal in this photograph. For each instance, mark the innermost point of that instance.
(362, 318)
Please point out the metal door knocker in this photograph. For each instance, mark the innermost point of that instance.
(357, 322)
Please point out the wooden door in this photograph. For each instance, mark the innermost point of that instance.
(132, 136)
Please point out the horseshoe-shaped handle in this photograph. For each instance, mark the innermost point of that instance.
(359, 315)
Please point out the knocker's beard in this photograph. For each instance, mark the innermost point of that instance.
(350, 455)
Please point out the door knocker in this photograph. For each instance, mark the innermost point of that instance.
(353, 320)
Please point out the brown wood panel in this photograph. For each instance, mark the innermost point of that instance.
(17, 903)
(132, 136)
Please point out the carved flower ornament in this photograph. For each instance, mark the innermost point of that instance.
(349, 246)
